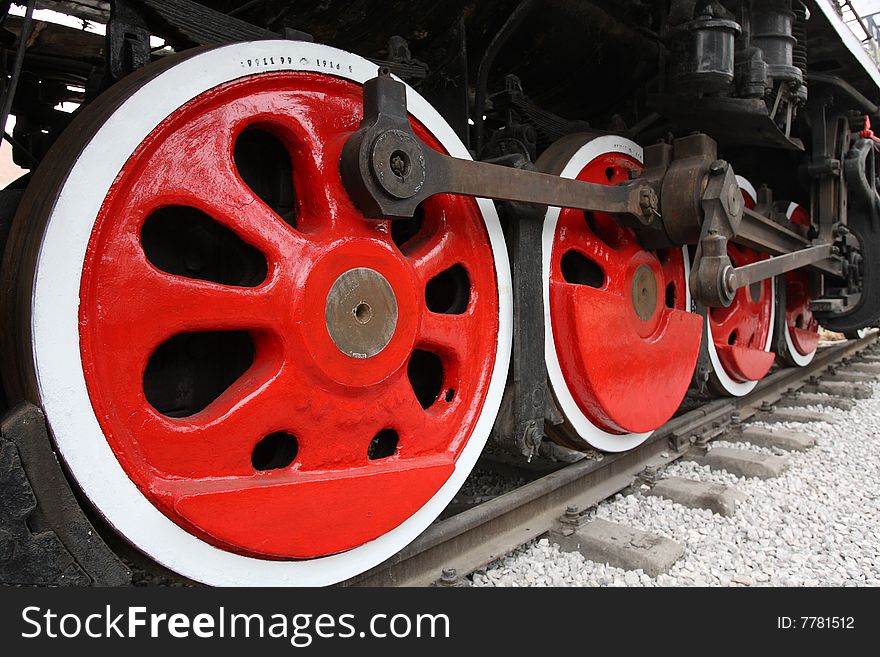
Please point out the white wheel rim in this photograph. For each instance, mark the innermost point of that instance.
(595, 436)
(797, 357)
(746, 186)
(55, 331)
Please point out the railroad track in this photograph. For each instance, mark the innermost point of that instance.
(458, 545)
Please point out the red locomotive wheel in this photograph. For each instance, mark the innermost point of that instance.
(621, 344)
(800, 332)
(297, 389)
(742, 334)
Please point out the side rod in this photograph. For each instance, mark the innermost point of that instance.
(388, 171)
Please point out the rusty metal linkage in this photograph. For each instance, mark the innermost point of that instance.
(388, 171)
(685, 195)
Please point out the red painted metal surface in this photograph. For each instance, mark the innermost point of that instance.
(867, 131)
(626, 374)
(739, 332)
(198, 469)
(802, 326)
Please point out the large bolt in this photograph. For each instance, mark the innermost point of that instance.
(718, 167)
(399, 164)
(449, 577)
(729, 288)
(649, 203)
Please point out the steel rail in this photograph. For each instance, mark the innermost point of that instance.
(479, 535)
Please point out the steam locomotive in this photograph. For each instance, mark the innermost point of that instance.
(277, 272)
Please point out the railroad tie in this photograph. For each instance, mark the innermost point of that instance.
(718, 498)
(620, 546)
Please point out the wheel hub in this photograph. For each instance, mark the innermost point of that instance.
(644, 293)
(361, 312)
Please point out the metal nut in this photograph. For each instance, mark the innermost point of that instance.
(718, 167)
(648, 202)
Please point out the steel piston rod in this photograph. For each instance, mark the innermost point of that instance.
(762, 269)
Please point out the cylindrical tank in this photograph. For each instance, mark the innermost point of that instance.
(707, 47)
(772, 32)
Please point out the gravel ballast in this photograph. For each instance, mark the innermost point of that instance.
(818, 524)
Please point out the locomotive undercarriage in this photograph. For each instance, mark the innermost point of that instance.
(622, 143)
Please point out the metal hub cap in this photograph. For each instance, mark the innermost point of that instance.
(644, 293)
(361, 312)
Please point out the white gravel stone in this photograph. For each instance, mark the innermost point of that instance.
(816, 525)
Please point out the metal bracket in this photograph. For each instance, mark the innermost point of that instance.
(648, 476)
(712, 271)
(520, 425)
(128, 39)
(704, 362)
(575, 517)
(714, 281)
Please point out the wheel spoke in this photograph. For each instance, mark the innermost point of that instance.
(622, 240)
(672, 269)
(233, 205)
(450, 334)
(159, 305)
(240, 210)
(724, 320)
(432, 257)
(210, 182)
(314, 127)
(573, 233)
(738, 317)
(218, 441)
